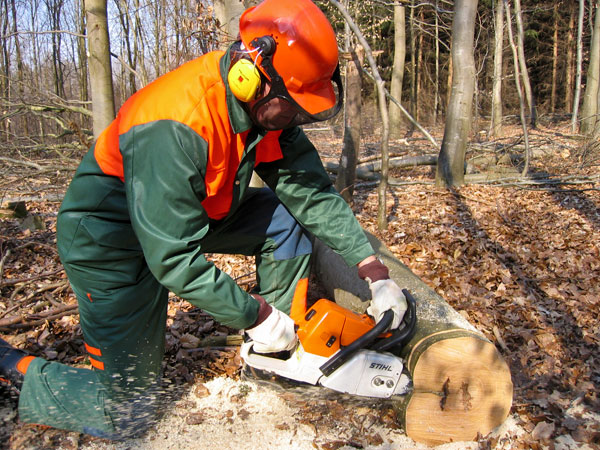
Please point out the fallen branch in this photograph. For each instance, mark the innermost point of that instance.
(54, 198)
(33, 320)
(367, 171)
(55, 287)
(12, 282)
(21, 162)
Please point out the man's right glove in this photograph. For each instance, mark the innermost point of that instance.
(385, 293)
(274, 330)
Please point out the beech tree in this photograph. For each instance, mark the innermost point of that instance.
(398, 68)
(99, 65)
(589, 111)
(496, 120)
(451, 160)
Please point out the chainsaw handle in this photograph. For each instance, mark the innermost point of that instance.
(364, 341)
(401, 336)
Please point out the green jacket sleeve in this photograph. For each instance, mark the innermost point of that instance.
(301, 183)
(163, 168)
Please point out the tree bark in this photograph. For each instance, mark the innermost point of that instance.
(99, 65)
(461, 385)
(82, 54)
(554, 60)
(413, 107)
(451, 162)
(523, 65)
(436, 87)
(589, 110)
(570, 67)
(578, 69)
(518, 84)
(398, 69)
(228, 14)
(496, 121)
(346, 174)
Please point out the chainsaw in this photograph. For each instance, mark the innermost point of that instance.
(343, 351)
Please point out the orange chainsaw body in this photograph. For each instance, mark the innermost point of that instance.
(326, 326)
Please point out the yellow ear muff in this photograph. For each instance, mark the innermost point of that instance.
(244, 80)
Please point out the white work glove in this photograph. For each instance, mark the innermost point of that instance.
(274, 334)
(385, 293)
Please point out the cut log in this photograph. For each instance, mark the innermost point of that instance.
(462, 385)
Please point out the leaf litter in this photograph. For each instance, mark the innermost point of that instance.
(521, 263)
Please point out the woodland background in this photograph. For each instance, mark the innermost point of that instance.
(516, 251)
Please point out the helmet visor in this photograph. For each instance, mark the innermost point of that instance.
(279, 110)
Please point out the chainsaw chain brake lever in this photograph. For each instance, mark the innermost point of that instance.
(399, 336)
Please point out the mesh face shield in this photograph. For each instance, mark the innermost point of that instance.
(291, 113)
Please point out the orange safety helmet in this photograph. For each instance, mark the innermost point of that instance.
(306, 53)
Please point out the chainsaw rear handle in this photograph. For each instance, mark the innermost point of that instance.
(400, 336)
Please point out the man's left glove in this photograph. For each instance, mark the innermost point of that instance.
(385, 293)
(273, 331)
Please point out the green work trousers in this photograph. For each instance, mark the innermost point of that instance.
(123, 309)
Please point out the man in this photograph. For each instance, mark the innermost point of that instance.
(166, 183)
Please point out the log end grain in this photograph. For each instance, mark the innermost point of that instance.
(462, 388)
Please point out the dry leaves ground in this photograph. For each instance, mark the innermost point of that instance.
(520, 261)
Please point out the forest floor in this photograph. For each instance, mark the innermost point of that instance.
(520, 259)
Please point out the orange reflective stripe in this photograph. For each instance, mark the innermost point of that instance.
(299, 301)
(97, 364)
(93, 350)
(23, 364)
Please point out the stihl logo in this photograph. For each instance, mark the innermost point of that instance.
(379, 366)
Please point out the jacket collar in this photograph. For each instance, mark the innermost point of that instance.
(239, 119)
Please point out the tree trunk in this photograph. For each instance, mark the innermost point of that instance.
(436, 81)
(518, 84)
(523, 65)
(461, 385)
(398, 69)
(578, 69)
(589, 110)
(385, 130)
(413, 107)
(99, 65)
(554, 60)
(496, 122)
(346, 174)
(419, 71)
(451, 162)
(228, 14)
(82, 54)
(130, 57)
(570, 67)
